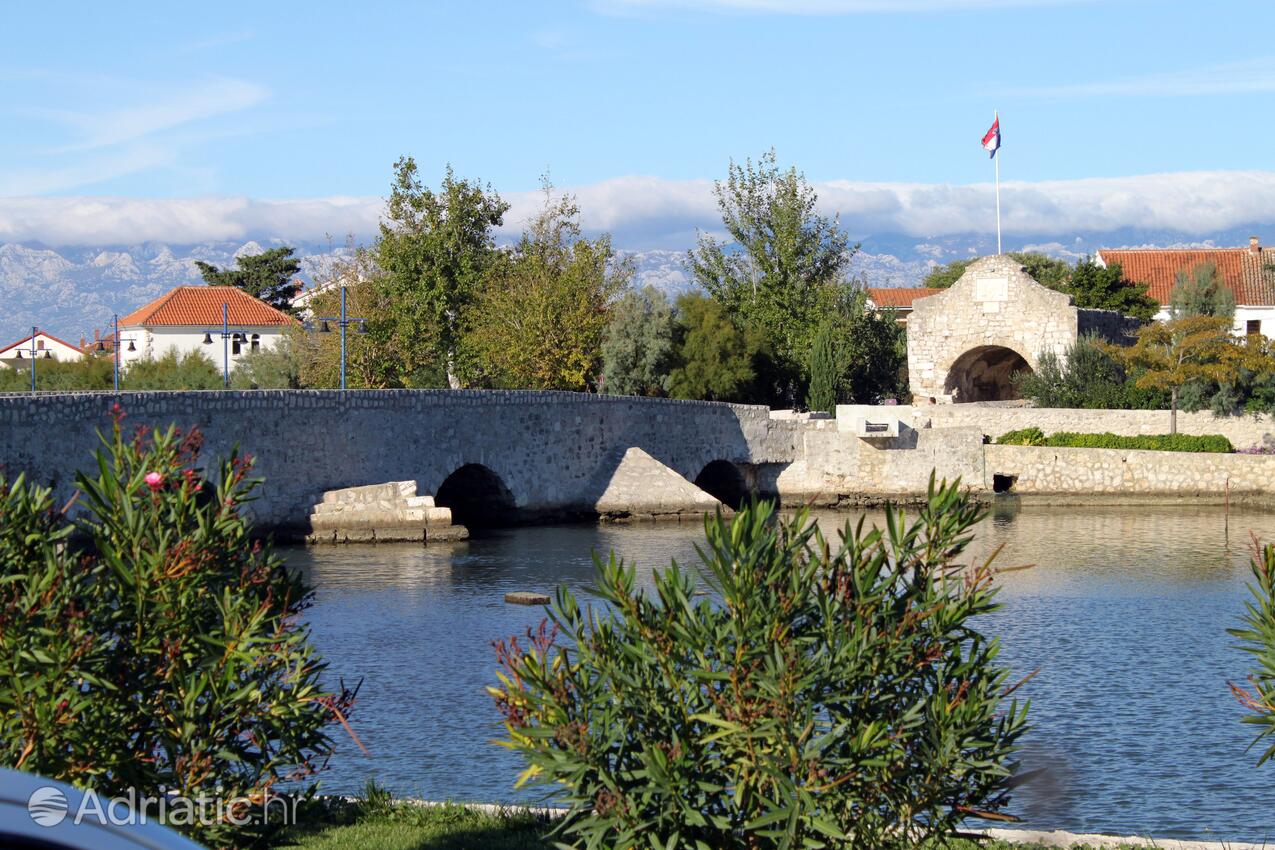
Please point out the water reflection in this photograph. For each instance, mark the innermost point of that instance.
(1125, 613)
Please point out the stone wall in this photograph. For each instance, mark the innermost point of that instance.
(1242, 431)
(995, 307)
(555, 452)
(1098, 472)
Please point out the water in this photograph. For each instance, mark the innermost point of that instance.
(1124, 612)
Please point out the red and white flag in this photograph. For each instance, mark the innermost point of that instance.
(992, 140)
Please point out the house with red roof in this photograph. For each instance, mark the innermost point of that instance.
(43, 346)
(897, 299)
(1247, 272)
(189, 318)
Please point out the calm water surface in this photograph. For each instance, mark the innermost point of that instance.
(1125, 613)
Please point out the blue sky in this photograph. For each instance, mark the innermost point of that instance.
(269, 101)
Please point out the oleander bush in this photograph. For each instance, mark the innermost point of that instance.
(1213, 443)
(1257, 637)
(149, 644)
(827, 693)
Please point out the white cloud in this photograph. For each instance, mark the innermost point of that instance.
(821, 7)
(649, 212)
(1246, 77)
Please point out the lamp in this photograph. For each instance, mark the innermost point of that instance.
(132, 347)
(47, 355)
(19, 354)
(324, 328)
(362, 327)
(207, 340)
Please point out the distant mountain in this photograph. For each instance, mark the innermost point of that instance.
(72, 291)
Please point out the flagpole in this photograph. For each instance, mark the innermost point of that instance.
(996, 158)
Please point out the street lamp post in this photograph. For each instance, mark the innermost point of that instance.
(115, 345)
(34, 353)
(225, 344)
(343, 321)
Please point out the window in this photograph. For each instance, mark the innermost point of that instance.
(256, 341)
(1253, 326)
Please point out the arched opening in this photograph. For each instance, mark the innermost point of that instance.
(985, 373)
(477, 497)
(723, 480)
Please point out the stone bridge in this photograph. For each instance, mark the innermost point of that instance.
(529, 454)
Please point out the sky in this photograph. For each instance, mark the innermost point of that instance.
(183, 122)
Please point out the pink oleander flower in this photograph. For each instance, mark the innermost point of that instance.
(154, 481)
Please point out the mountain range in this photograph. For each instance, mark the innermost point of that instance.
(72, 291)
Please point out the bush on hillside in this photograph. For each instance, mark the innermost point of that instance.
(1212, 443)
(834, 695)
(151, 644)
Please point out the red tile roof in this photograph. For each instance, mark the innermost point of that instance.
(201, 305)
(26, 342)
(1241, 270)
(898, 297)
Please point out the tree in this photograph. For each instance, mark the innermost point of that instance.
(436, 250)
(172, 371)
(637, 351)
(269, 276)
(1197, 348)
(872, 353)
(1091, 376)
(274, 368)
(824, 372)
(540, 320)
(1200, 293)
(1106, 288)
(715, 360)
(779, 271)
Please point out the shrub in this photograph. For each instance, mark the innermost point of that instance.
(833, 693)
(1213, 443)
(1022, 437)
(1258, 639)
(151, 645)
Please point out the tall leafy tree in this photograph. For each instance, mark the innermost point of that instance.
(1106, 288)
(1200, 292)
(715, 359)
(1048, 271)
(540, 321)
(270, 276)
(637, 351)
(435, 249)
(1195, 348)
(781, 265)
(824, 372)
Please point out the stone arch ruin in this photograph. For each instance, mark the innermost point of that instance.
(966, 343)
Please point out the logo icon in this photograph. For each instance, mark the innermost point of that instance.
(47, 806)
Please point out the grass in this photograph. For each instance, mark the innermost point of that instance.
(381, 824)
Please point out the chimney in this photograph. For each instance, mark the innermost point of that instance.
(1254, 245)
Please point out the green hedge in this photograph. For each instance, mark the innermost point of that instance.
(1215, 443)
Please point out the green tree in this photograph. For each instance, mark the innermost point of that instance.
(1091, 376)
(274, 368)
(716, 361)
(871, 348)
(637, 351)
(90, 373)
(781, 266)
(825, 372)
(436, 249)
(1201, 293)
(269, 276)
(1106, 288)
(540, 320)
(840, 694)
(1197, 348)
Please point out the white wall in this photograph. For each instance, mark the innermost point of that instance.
(153, 343)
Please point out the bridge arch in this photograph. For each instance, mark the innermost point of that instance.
(724, 481)
(985, 373)
(477, 496)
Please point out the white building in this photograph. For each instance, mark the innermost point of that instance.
(46, 347)
(1247, 272)
(189, 318)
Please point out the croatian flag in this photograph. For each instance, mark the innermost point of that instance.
(992, 141)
